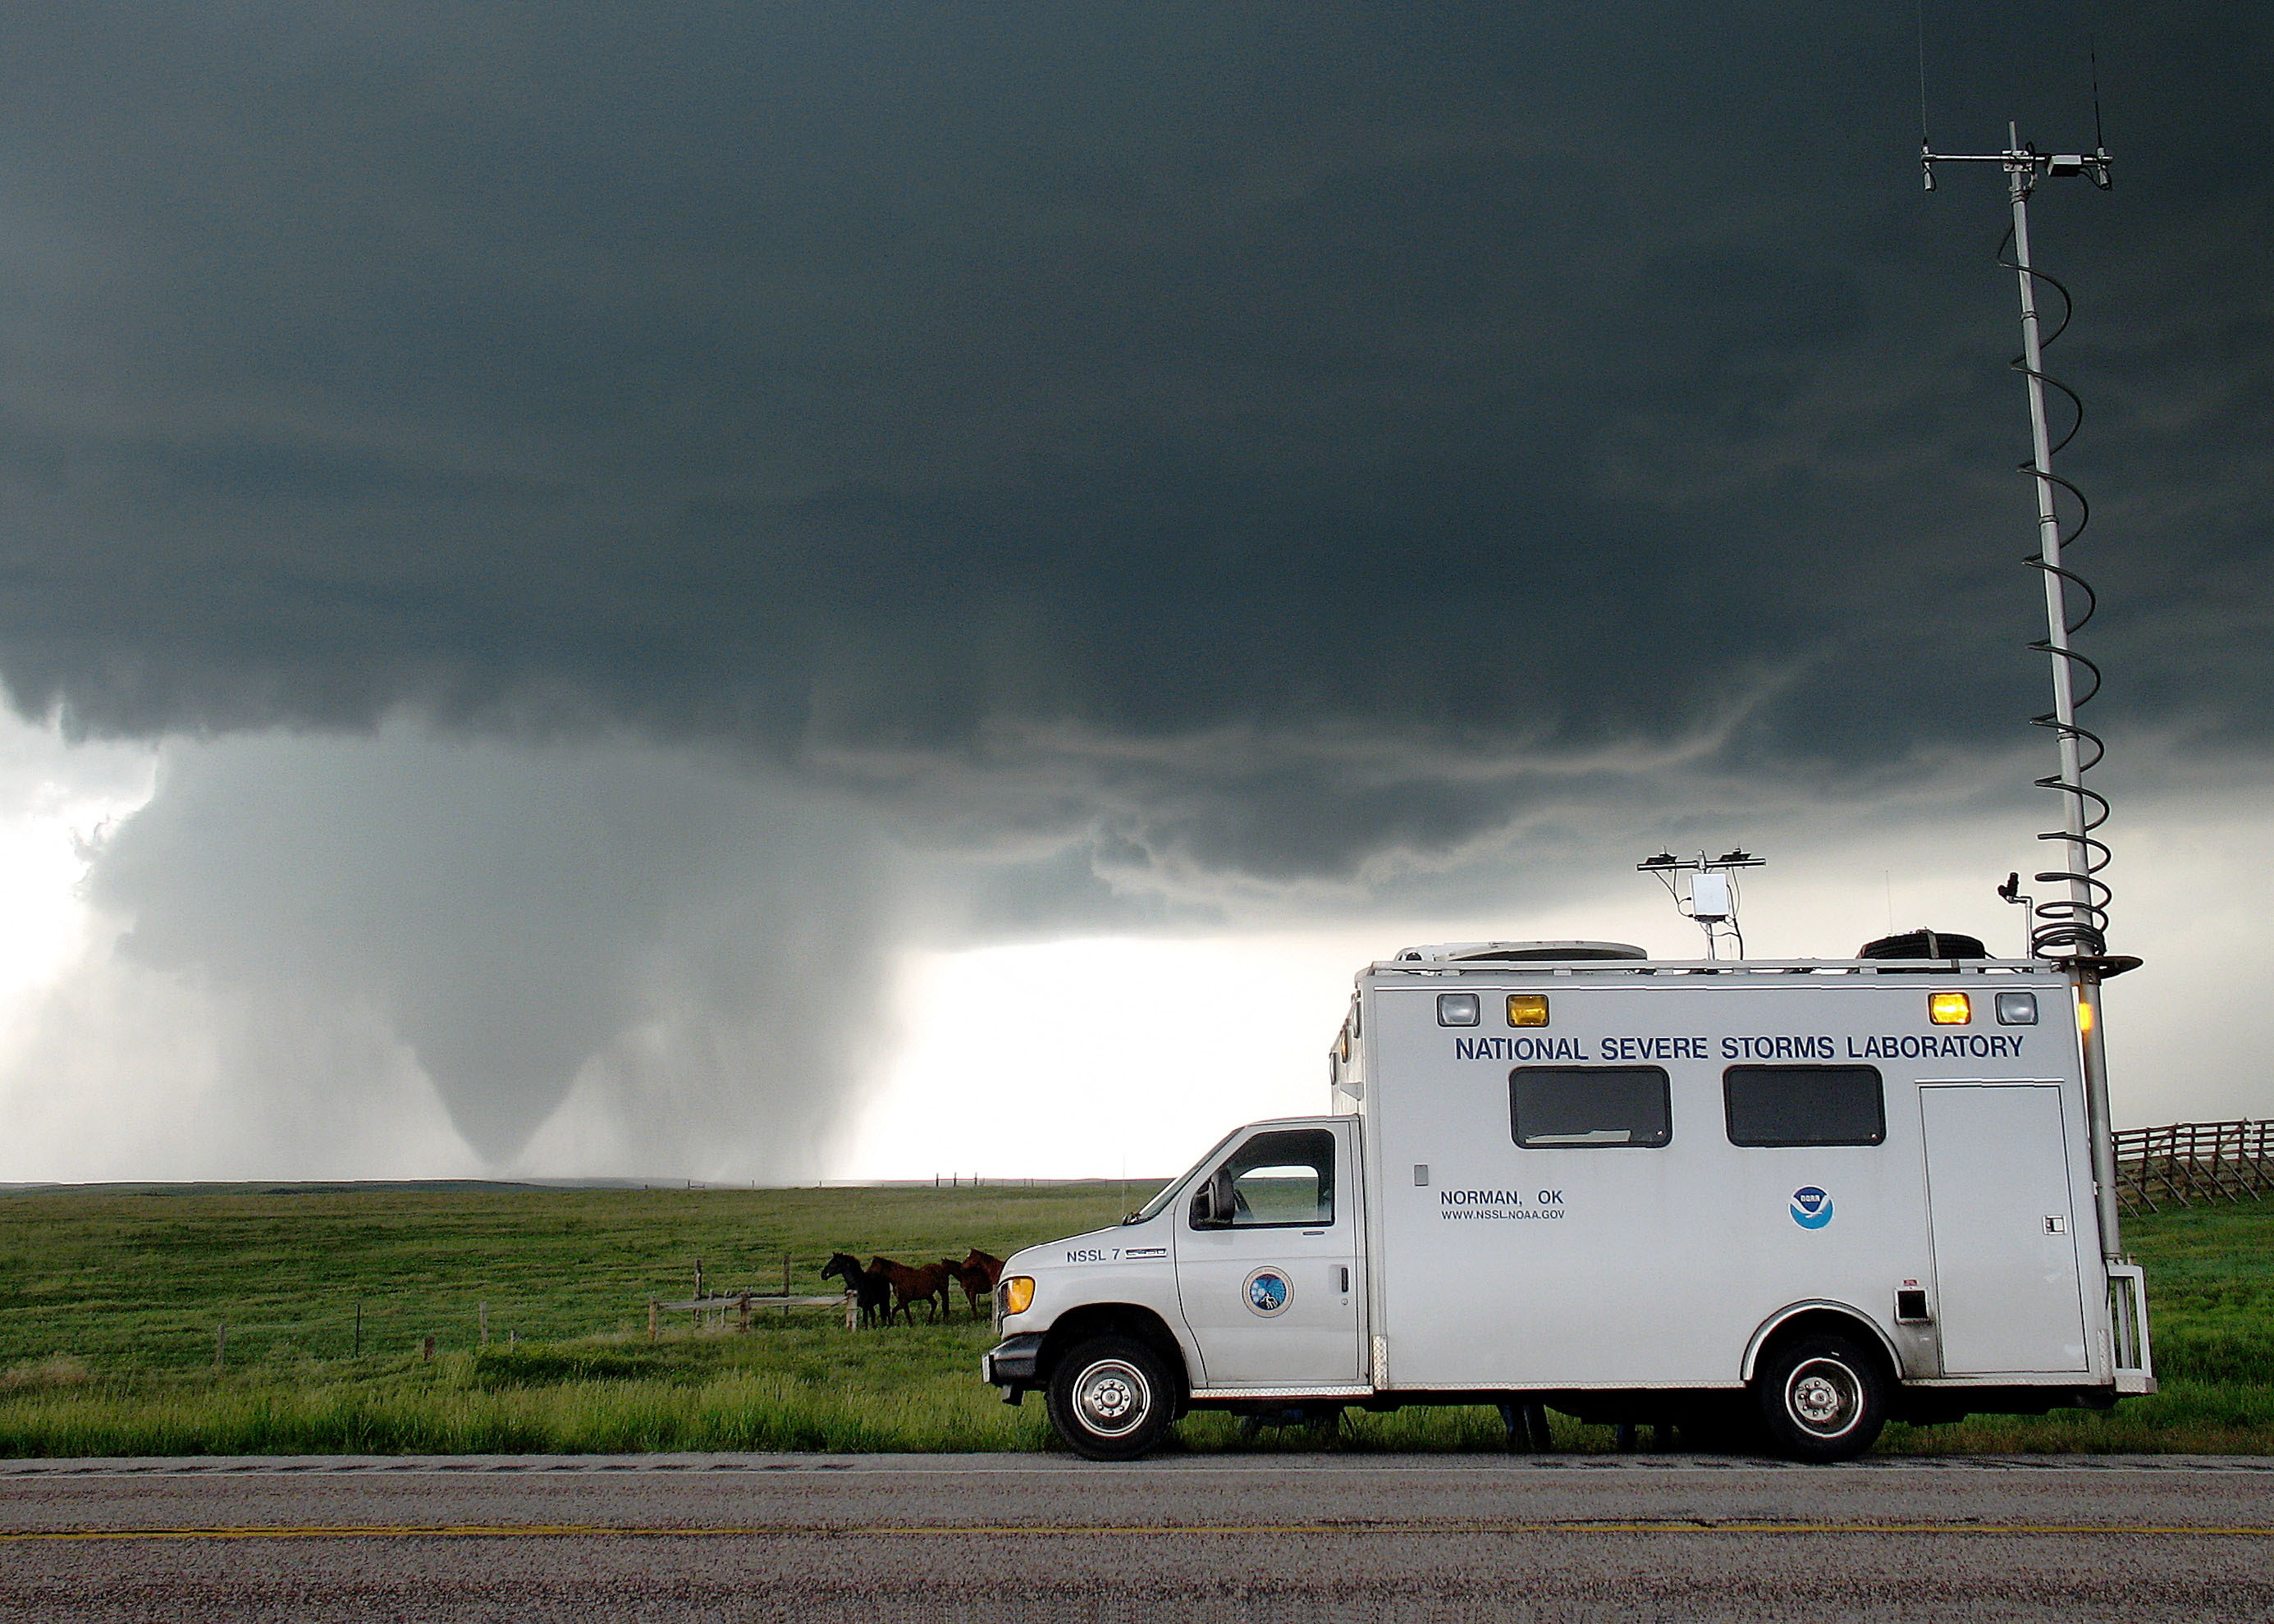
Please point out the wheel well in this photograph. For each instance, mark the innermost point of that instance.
(1821, 1319)
(1112, 1320)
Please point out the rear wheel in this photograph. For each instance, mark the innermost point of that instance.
(1110, 1399)
(1822, 1398)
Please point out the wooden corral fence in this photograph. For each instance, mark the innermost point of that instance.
(741, 1305)
(2193, 1164)
(710, 1307)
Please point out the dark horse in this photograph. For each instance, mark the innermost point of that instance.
(873, 1292)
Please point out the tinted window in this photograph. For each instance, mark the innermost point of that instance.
(1804, 1105)
(1558, 1107)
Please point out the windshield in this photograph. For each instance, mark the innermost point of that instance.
(1169, 1191)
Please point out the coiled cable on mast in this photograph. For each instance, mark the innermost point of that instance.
(2068, 926)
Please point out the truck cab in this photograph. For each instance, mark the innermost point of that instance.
(1239, 1282)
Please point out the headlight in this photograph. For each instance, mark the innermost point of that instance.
(1018, 1294)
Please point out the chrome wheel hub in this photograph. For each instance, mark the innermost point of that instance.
(1825, 1397)
(1112, 1397)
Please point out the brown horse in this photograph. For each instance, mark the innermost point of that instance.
(973, 1281)
(977, 1259)
(928, 1284)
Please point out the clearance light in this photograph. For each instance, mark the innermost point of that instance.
(1949, 1009)
(1457, 1009)
(2017, 1009)
(1018, 1294)
(1527, 1009)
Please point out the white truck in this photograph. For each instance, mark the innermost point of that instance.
(1775, 1201)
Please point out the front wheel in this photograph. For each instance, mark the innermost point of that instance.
(1821, 1398)
(1111, 1400)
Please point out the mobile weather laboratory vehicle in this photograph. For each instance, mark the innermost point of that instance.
(1778, 1200)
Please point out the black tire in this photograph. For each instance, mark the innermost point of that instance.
(1110, 1399)
(1822, 1398)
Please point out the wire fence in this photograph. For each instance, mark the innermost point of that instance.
(2193, 1164)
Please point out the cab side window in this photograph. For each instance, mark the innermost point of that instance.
(1280, 1180)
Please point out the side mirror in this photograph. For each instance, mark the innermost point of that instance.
(1212, 1203)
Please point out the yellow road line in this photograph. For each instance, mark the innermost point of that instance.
(583, 1530)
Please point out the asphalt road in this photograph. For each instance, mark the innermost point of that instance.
(1208, 1539)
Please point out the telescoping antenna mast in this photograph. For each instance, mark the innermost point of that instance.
(2071, 926)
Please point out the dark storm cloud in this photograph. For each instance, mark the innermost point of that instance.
(1265, 435)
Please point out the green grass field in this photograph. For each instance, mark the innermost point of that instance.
(110, 1301)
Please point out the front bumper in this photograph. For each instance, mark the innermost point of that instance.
(1014, 1364)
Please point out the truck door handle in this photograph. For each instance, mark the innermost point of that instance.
(1345, 1273)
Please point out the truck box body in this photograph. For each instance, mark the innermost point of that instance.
(1646, 1264)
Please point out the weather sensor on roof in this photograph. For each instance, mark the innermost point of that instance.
(1710, 896)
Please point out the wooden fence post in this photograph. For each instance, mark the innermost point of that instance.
(484, 1322)
(654, 1319)
(852, 1310)
(221, 1346)
(427, 1350)
(742, 1316)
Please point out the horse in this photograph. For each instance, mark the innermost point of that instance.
(929, 1283)
(978, 1260)
(873, 1292)
(973, 1281)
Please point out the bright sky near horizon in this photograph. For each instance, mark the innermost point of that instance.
(1100, 1056)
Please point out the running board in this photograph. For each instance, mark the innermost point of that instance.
(1361, 1389)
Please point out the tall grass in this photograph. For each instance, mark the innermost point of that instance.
(136, 1377)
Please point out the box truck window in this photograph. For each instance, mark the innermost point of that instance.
(1804, 1105)
(1275, 1180)
(1554, 1107)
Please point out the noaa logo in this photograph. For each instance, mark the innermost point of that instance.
(1811, 1209)
(1268, 1293)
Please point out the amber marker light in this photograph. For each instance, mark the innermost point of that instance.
(1949, 1009)
(1018, 1294)
(1527, 1009)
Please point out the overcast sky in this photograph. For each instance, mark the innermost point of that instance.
(568, 573)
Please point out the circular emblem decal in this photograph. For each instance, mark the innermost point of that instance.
(1268, 1293)
(1811, 1209)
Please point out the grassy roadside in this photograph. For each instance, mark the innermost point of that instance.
(2210, 1302)
(109, 1302)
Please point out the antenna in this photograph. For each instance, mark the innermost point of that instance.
(2092, 53)
(2070, 928)
(1711, 898)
